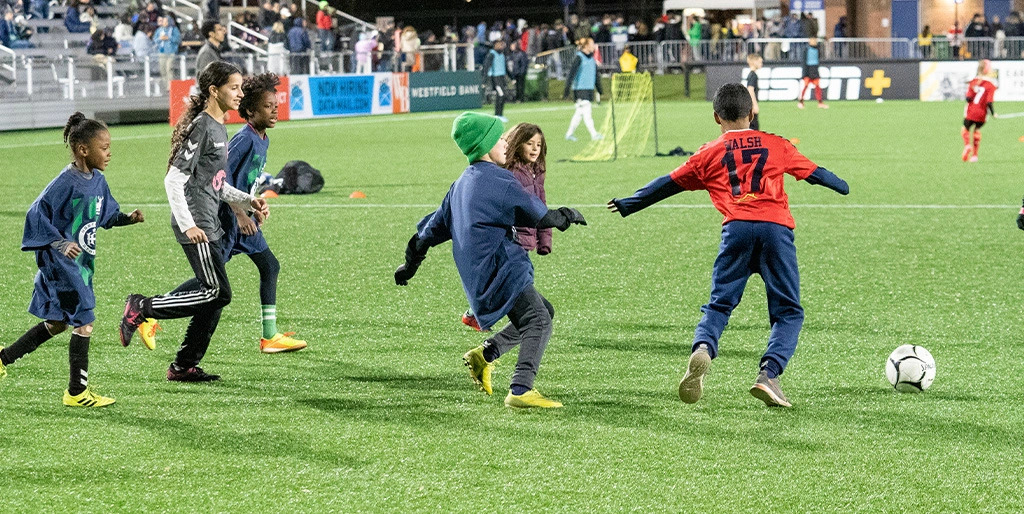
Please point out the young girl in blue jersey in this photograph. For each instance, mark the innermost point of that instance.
(247, 156)
(583, 80)
(60, 228)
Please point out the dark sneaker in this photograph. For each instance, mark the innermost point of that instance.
(769, 391)
(193, 374)
(692, 385)
(132, 318)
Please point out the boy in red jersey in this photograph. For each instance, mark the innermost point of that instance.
(743, 172)
(979, 103)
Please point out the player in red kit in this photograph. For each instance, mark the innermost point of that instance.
(743, 172)
(980, 92)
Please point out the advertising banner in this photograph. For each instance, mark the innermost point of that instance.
(325, 96)
(445, 91)
(948, 80)
(855, 81)
(182, 89)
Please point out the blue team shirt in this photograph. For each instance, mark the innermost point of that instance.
(247, 157)
(478, 215)
(586, 75)
(813, 54)
(71, 208)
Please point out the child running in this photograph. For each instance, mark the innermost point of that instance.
(812, 58)
(61, 229)
(743, 173)
(526, 155)
(247, 156)
(980, 92)
(479, 215)
(195, 185)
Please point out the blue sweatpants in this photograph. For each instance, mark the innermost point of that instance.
(767, 249)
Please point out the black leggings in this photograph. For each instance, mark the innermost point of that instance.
(977, 124)
(269, 269)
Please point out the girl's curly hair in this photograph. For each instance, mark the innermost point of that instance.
(254, 87)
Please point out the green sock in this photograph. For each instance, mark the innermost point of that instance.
(269, 321)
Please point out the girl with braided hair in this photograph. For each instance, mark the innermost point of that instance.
(196, 185)
(60, 228)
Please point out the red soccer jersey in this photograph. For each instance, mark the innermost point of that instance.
(979, 94)
(743, 173)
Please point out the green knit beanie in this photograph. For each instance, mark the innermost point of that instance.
(476, 134)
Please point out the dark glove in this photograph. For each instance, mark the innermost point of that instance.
(572, 215)
(404, 273)
(543, 251)
(1020, 220)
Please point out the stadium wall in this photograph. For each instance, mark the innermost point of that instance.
(54, 113)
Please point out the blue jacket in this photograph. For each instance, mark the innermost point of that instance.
(169, 45)
(298, 39)
(73, 21)
(478, 215)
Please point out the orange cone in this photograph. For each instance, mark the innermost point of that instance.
(270, 193)
(357, 194)
(1022, 139)
(795, 140)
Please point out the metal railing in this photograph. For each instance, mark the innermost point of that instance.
(340, 14)
(190, 5)
(7, 53)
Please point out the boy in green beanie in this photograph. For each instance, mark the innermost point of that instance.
(479, 214)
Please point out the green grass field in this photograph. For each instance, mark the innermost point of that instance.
(380, 415)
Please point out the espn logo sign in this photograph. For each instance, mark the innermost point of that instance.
(783, 83)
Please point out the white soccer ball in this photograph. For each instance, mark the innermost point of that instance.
(879, 100)
(910, 369)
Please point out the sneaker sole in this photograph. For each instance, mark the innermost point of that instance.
(765, 394)
(692, 385)
(282, 350)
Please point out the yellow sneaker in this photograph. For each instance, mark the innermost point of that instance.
(531, 398)
(148, 330)
(281, 343)
(86, 398)
(479, 369)
(3, 369)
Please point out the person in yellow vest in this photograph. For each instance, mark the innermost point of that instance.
(924, 42)
(628, 61)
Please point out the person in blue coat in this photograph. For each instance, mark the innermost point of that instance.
(73, 20)
(479, 215)
(60, 228)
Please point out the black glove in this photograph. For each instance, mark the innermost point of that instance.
(404, 273)
(1020, 221)
(572, 215)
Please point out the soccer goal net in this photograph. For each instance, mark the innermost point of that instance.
(630, 124)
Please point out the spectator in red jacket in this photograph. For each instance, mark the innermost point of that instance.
(324, 26)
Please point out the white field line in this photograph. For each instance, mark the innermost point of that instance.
(274, 205)
(358, 120)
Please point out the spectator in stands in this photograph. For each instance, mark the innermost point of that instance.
(323, 26)
(123, 34)
(1014, 29)
(603, 34)
(38, 8)
(519, 63)
(73, 19)
(840, 31)
(410, 49)
(89, 16)
(296, 14)
(142, 45)
(978, 29)
(364, 52)
(924, 42)
(277, 33)
(999, 33)
(955, 37)
(149, 16)
(627, 61)
(269, 15)
(13, 35)
(215, 33)
(166, 39)
(298, 45)
(101, 46)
